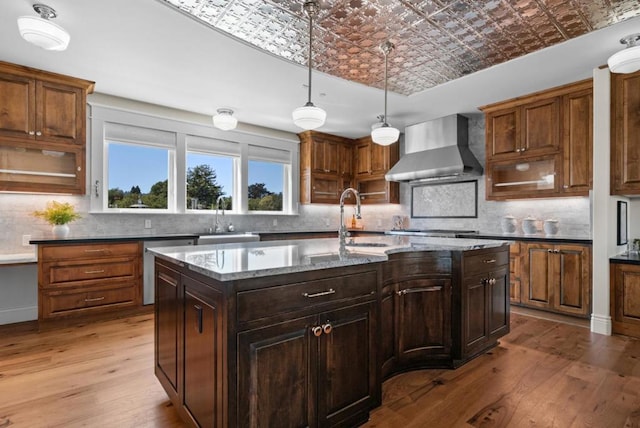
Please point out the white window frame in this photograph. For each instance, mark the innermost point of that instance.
(101, 115)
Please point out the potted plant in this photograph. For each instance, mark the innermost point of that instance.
(58, 214)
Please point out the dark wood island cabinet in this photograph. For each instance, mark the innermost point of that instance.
(311, 347)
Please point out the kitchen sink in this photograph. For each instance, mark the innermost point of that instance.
(225, 238)
(366, 244)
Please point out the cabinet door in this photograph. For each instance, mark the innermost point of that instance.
(203, 389)
(59, 113)
(363, 159)
(538, 276)
(571, 267)
(387, 330)
(503, 132)
(475, 313)
(277, 372)
(514, 272)
(379, 159)
(541, 127)
(325, 188)
(166, 326)
(625, 134)
(625, 299)
(17, 111)
(498, 290)
(578, 142)
(347, 371)
(345, 157)
(324, 157)
(424, 319)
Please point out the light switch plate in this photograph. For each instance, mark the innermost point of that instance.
(25, 240)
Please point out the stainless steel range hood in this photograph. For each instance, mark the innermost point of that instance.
(436, 150)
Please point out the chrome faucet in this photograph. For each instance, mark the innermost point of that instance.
(216, 224)
(342, 232)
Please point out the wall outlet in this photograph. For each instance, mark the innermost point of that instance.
(379, 222)
(326, 222)
(147, 224)
(275, 221)
(25, 240)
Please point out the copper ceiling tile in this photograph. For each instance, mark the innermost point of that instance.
(436, 40)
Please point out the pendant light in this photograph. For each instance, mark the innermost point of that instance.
(224, 119)
(309, 116)
(628, 59)
(41, 31)
(385, 134)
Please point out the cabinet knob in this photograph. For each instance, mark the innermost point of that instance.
(518, 150)
(38, 133)
(326, 328)
(31, 133)
(317, 330)
(524, 149)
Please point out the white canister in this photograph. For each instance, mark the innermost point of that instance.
(529, 226)
(508, 224)
(551, 226)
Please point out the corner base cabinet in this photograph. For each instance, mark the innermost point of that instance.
(625, 299)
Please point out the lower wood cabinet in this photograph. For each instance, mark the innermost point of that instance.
(625, 299)
(557, 278)
(515, 272)
(312, 371)
(78, 279)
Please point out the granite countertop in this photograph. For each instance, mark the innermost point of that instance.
(226, 262)
(626, 258)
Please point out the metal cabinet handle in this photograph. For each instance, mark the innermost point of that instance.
(198, 309)
(316, 330)
(99, 250)
(94, 271)
(322, 293)
(326, 328)
(489, 261)
(418, 290)
(95, 299)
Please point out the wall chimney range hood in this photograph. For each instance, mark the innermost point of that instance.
(437, 150)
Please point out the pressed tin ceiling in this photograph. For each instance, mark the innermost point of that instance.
(436, 41)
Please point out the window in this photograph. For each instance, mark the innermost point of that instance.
(142, 162)
(209, 177)
(138, 176)
(268, 188)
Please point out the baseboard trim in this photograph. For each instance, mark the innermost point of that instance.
(601, 324)
(14, 315)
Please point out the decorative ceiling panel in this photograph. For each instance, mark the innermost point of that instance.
(436, 40)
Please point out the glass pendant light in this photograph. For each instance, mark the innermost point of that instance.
(385, 134)
(309, 116)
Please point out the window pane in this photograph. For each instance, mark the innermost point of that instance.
(138, 176)
(209, 176)
(266, 181)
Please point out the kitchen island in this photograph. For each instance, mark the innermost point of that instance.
(291, 333)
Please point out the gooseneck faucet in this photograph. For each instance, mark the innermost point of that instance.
(216, 224)
(342, 233)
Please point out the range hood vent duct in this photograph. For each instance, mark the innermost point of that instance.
(436, 150)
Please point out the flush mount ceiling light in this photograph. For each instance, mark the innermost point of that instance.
(628, 59)
(309, 116)
(385, 134)
(41, 31)
(224, 119)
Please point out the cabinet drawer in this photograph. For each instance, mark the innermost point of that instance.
(484, 262)
(61, 302)
(89, 251)
(403, 266)
(72, 273)
(264, 303)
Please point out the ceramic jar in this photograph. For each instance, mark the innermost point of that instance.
(551, 227)
(508, 224)
(529, 226)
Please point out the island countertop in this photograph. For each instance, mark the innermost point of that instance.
(227, 262)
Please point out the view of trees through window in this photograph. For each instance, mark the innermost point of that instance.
(133, 168)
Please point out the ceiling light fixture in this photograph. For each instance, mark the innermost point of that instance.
(224, 119)
(385, 134)
(628, 59)
(309, 116)
(42, 32)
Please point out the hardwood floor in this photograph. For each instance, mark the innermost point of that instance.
(543, 374)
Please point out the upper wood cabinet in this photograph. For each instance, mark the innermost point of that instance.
(371, 163)
(540, 145)
(625, 134)
(329, 164)
(42, 130)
